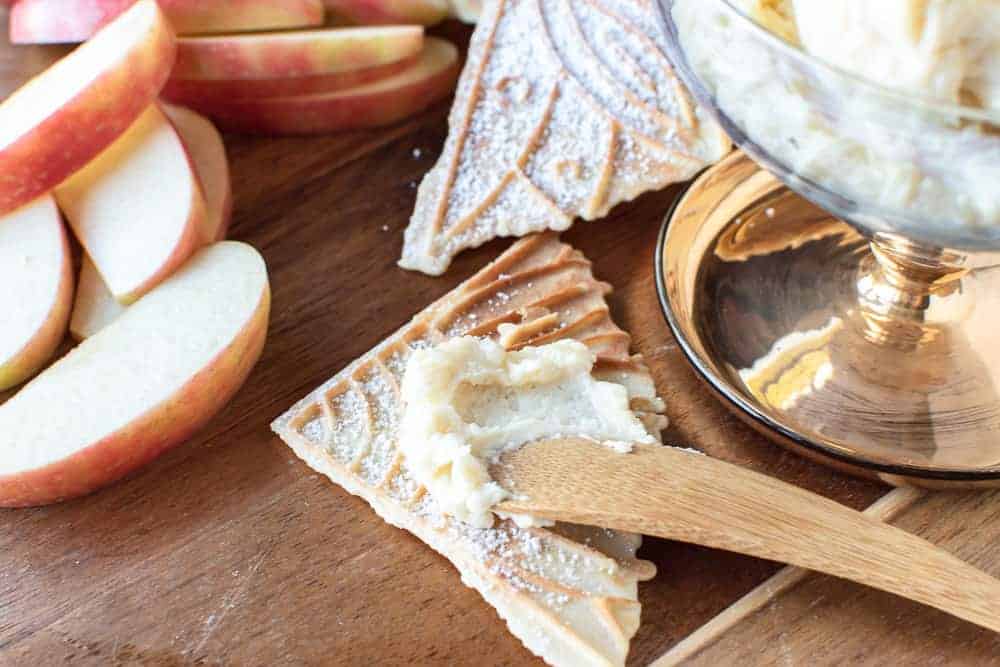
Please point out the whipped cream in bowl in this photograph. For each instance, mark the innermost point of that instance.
(885, 113)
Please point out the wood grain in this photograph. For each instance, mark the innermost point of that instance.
(822, 622)
(676, 494)
(886, 508)
(229, 551)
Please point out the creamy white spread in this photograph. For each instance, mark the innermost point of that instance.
(945, 49)
(895, 158)
(469, 400)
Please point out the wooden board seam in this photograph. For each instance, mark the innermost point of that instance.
(886, 508)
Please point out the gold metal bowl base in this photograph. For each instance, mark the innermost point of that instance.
(882, 359)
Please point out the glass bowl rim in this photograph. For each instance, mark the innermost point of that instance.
(981, 114)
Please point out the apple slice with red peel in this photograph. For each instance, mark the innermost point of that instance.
(294, 53)
(377, 12)
(72, 111)
(208, 154)
(94, 306)
(229, 67)
(138, 208)
(428, 80)
(61, 21)
(146, 382)
(67, 21)
(192, 92)
(36, 271)
(193, 17)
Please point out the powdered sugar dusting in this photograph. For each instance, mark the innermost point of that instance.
(349, 430)
(543, 130)
(518, 294)
(313, 429)
(395, 362)
(402, 487)
(579, 56)
(564, 572)
(384, 408)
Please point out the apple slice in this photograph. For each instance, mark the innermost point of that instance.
(147, 382)
(138, 208)
(95, 306)
(208, 153)
(376, 12)
(64, 21)
(295, 53)
(37, 277)
(192, 92)
(466, 10)
(69, 113)
(428, 80)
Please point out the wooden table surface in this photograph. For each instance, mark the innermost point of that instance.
(230, 551)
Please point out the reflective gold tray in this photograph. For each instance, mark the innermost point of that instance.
(771, 299)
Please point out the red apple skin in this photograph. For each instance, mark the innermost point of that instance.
(385, 12)
(39, 350)
(161, 428)
(296, 53)
(193, 128)
(69, 21)
(192, 92)
(61, 22)
(206, 16)
(70, 137)
(314, 114)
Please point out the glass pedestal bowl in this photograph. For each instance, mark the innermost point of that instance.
(839, 290)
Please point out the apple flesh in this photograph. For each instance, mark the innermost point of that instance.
(376, 12)
(37, 278)
(68, 21)
(467, 10)
(95, 306)
(138, 208)
(430, 79)
(69, 113)
(208, 154)
(295, 53)
(145, 383)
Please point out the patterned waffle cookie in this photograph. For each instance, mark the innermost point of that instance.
(565, 109)
(568, 592)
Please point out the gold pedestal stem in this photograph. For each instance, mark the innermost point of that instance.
(907, 291)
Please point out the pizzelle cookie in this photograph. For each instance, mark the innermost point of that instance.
(565, 108)
(569, 592)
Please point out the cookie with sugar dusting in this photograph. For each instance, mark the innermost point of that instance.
(570, 593)
(565, 109)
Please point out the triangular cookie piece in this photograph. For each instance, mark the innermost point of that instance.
(565, 109)
(568, 592)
